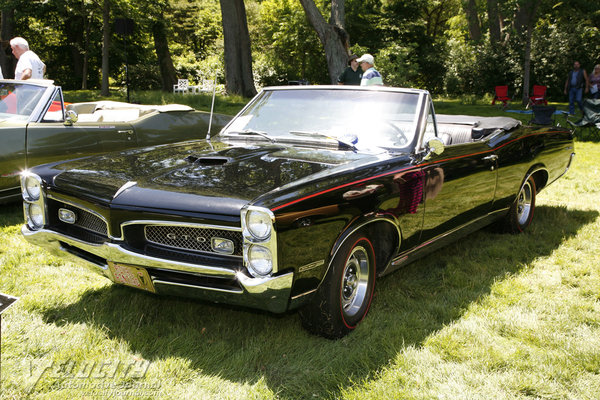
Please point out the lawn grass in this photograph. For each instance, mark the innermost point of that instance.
(493, 317)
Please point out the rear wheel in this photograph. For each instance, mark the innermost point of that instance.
(521, 212)
(344, 297)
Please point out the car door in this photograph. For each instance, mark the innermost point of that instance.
(12, 156)
(459, 189)
(51, 139)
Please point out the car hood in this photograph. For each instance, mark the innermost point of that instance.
(226, 176)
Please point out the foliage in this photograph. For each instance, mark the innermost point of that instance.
(419, 43)
(287, 48)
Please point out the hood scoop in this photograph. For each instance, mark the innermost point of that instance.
(208, 160)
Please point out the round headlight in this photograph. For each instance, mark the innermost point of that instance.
(258, 224)
(32, 187)
(260, 261)
(36, 216)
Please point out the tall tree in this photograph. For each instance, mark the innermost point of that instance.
(470, 7)
(494, 21)
(7, 21)
(105, 46)
(238, 55)
(165, 62)
(332, 35)
(524, 24)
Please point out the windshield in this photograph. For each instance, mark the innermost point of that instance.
(18, 100)
(358, 117)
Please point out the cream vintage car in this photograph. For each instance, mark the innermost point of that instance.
(36, 127)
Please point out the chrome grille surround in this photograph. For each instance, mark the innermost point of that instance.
(192, 237)
(86, 219)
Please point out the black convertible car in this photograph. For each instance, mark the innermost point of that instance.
(304, 199)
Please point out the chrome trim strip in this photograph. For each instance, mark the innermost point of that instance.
(303, 294)
(402, 257)
(185, 285)
(126, 185)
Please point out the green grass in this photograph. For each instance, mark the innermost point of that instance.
(492, 317)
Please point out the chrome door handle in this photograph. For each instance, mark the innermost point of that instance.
(493, 157)
(127, 132)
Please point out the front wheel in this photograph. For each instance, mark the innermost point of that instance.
(521, 212)
(345, 295)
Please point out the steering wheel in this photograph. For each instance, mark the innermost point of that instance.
(399, 132)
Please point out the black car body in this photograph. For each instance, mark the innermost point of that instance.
(307, 196)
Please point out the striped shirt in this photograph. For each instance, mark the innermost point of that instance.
(371, 77)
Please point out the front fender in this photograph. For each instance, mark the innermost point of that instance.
(386, 237)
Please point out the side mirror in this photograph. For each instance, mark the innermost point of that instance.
(70, 118)
(434, 147)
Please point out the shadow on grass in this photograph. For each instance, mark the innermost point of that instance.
(11, 214)
(244, 346)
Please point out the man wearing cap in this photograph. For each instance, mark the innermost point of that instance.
(370, 75)
(352, 74)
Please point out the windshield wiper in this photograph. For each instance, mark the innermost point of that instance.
(348, 141)
(251, 132)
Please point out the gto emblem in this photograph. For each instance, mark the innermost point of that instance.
(174, 236)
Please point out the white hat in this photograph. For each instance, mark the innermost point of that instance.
(366, 58)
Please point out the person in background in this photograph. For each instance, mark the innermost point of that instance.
(29, 65)
(370, 75)
(577, 80)
(595, 82)
(352, 74)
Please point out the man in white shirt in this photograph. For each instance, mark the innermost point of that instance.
(29, 65)
(370, 75)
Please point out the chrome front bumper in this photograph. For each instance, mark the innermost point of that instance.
(269, 293)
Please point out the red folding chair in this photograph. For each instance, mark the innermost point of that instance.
(538, 97)
(501, 96)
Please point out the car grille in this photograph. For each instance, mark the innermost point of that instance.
(88, 226)
(88, 220)
(191, 238)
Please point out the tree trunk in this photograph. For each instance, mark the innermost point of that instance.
(527, 65)
(105, 46)
(333, 36)
(524, 23)
(73, 31)
(165, 62)
(86, 45)
(470, 7)
(494, 21)
(7, 22)
(238, 55)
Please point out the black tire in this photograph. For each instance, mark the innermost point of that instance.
(345, 295)
(520, 215)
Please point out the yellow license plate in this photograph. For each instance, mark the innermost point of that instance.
(131, 275)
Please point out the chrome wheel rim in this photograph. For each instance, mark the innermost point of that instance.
(524, 202)
(355, 280)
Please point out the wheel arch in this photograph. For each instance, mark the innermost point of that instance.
(384, 234)
(540, 177)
